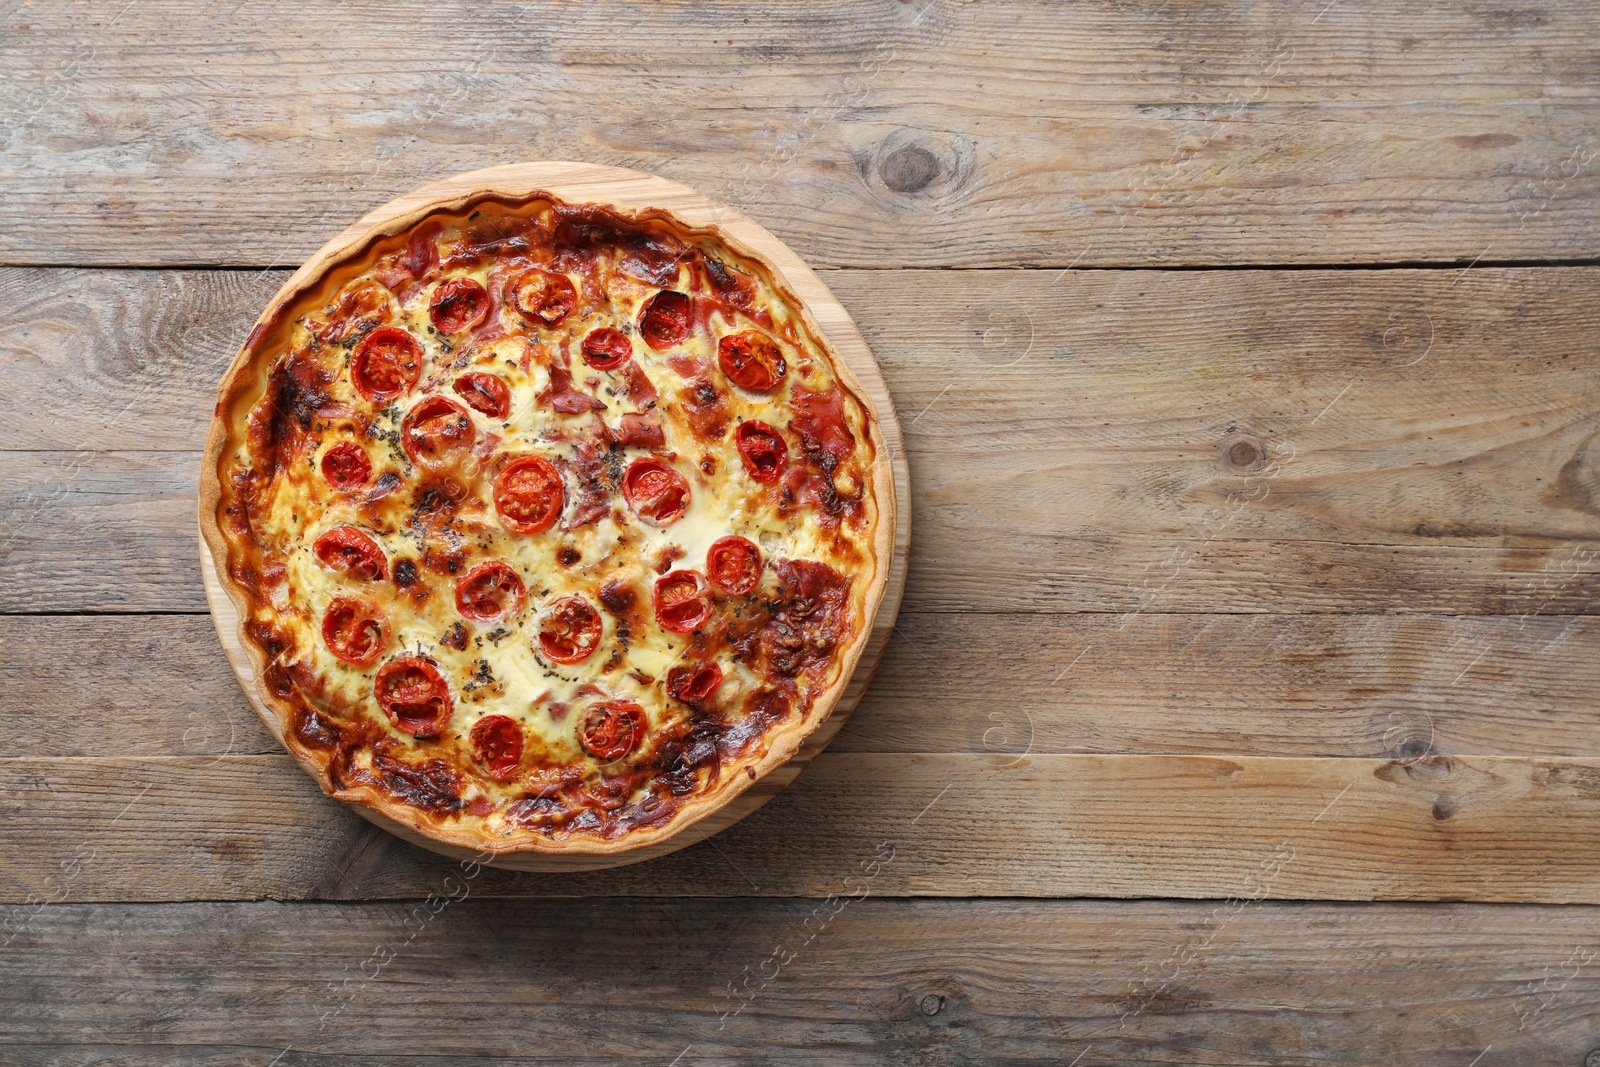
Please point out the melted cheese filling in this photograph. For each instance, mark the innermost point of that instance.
(501, 671)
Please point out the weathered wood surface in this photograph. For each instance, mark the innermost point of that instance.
(854, 981)
(1087, 361)
(1453, 828)
(1222, 441)
(930, 133)
(1412, 515)
(1395, 687)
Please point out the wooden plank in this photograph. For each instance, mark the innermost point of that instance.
(1421, 439)
(1250, 441)
(114, 531)
(120, 359)
(855, 981)
(1441, 828)
(142, 685)
(917, 134)
(1362, 363)
(258, 832)
(100, 531)
(1270, 685)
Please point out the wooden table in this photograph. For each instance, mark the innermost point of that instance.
(1245, 705)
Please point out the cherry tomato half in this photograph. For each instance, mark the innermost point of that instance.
(763, 450)
(485, 393)
(346, 466)
(355, 630)
(606, 348)
(680, 601)
(386, 363)
(529, 495)
(665, 320)
(693, 685)
(569, 630)
(353, 553)
(434, 428)
(458, 304)
(489, 592)
(611, 729)
(413, 693)
(497, 742)
(751, 360)
(545, 297)
(656, 492)
(733, 564)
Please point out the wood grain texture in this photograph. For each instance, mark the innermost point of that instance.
(99, 532)
(160, 686)
(1422, 439)
(1453, 828)
(1108, 361)
(120, 359)
(626, 981)
(1398, 687)
(1071, 430)
(935, 133)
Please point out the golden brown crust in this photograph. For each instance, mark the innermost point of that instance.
(319, 276)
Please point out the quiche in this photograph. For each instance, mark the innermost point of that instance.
(551, 526)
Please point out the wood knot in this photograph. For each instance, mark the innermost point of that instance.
(1444, 809)
(909, 169)
(912, 168)
(1243, 452)
(1577, 486)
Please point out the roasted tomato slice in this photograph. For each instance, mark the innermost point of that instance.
(611, 729)
(355, 630)
(346, 466)
(353, 553)
(528, 495)
(655, 491)
(545, 297)
(490, 592)
(435, 428)
(606, 349)
(485, 393)
(733, 564)
(751, 360)
(763, 450)
(497, 742)
(681, 602)
(458, 304)
(693, 685)
(569, 630)
(413, 693)
(666, 319)
(386, 363)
